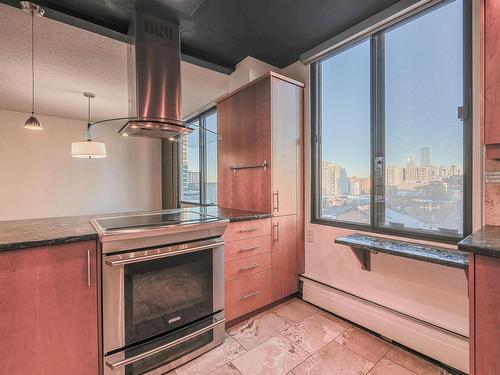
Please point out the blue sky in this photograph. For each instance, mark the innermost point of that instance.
(423, 68)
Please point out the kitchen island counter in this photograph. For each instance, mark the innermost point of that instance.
(27, 233)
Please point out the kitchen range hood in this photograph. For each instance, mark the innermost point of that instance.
(154, 82)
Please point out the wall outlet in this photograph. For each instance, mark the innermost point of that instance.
(310, 236)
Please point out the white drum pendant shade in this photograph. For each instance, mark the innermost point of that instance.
(88, 150)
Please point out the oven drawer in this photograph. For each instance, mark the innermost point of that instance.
(246, 248)
(247, 266)
(247, 294)
(247, 229)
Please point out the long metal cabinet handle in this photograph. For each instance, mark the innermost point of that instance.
(277, 206)
(88, 268)
(248, 295)
(161, 348)
(245, 268)
(277, 235)
(235, 167)
(248, 230)
(116, 260)
(249, 248)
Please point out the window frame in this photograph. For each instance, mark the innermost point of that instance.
(377, 128)
(201, 118)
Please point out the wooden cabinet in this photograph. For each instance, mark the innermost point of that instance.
(284, 256)
(491, 77)
(484, 299)
(262, 122)
(49, 323)
(247, 267)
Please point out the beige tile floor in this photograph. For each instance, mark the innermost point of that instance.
(295, 338)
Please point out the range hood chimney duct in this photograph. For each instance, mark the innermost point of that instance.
(154, 79)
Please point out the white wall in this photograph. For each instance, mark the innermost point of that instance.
(40, 178)
(430, 292)
(247, 70)
(200, 86)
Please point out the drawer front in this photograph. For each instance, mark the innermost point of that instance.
(247, 294)
(247, 266)
(247, 229)
(246, 248)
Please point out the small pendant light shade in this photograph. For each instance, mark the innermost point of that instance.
(32, 122)
(88, 149)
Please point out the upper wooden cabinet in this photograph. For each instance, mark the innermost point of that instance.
(491, 64)
(261, 124)
(48, 305)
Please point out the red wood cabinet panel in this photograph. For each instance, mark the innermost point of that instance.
(284, 256)
(49, 322)
(486, 316)
(491, 34)
(244, 125)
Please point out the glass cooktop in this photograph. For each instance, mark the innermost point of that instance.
(151, 220)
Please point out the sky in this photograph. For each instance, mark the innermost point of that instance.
(423, 82)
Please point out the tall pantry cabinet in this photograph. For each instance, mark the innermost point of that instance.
(260, 166)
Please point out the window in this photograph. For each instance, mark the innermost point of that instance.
(198, 160)
(392, 131)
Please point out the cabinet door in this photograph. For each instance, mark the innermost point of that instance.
(284, 256)
(486, 315)
(244, 125)
(287, 145)
(49, 322)
(492, 72)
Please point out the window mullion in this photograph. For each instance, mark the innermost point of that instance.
(378, 130)
(202, 160)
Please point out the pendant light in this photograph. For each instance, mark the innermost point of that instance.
(88, 149)
(32, 122)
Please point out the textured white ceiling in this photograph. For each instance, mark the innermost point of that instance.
(68, 61)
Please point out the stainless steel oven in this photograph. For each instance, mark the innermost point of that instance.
(162, 305)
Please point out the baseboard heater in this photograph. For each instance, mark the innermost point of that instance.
(436, 342)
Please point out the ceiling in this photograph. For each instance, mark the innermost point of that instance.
(223, 32)
(69, 61)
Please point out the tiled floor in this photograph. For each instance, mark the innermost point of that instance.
(296, 338)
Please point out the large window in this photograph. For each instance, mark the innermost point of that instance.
(392, 129)
(198, 158)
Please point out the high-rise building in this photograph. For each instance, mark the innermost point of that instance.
(333, 179)
(425, 156)
(184, 160)
(393, 175)
(410, 162)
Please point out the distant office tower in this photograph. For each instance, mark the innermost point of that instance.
(425, 156)
(393, 175)
(333, 179)
(185, 178)
(410, 162)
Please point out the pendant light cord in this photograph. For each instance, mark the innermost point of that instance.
(32, 63)
(89, 134)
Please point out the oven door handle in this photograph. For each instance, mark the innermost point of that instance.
(161, 348)
(142, 256)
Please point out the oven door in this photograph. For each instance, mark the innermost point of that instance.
(148, 293)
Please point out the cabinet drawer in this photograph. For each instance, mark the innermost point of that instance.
(246, 248)
(247, 229)
(247, 294)
(247, 266)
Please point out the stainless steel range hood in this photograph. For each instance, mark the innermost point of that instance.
(154, 80)
(154, 76)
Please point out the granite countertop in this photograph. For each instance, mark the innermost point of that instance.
(427, 253)
(485, 241)
(22, 234)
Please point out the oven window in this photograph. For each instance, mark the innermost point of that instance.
(167, 293)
